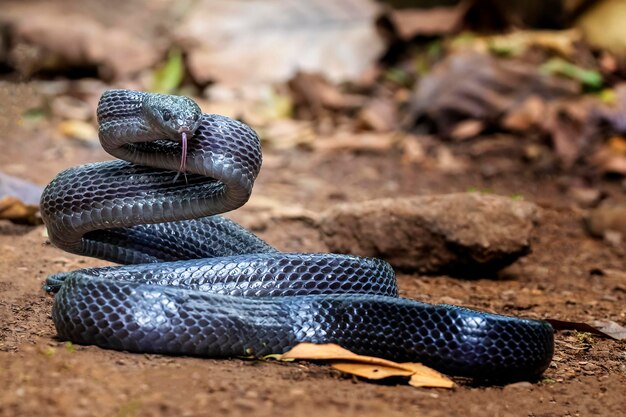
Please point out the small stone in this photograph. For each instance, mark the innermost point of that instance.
(586, 197)
(379, 115)
(244, 404)
(609, 217)
(524, 385)
(297, 392)
(613, 238)
(590, 367)
(449, 300)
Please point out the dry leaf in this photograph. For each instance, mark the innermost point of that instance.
(424, 376)
(19, 200)
(607, 161)
(615, 165)
(328, 351)
(617, 144)
(77, 129)
(266, 41)
(517, 42)
(379, 115)
(368, 370)
(606, 328)
(610, 328)
(603, 26)
(413, 150)
(560, 41)
(448, 162)
(568, 123)
(367, 366)
(529, 114)
(481, 87)
(467, 129)
(313, 94)
(12, 208)
(428, 21)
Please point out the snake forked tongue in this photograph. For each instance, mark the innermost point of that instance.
(183, 158)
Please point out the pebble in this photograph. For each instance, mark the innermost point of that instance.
(608, 221)
(586, 197)
(524, 385)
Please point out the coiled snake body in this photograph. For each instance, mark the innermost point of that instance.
(199, 284)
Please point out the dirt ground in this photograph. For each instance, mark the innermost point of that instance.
(568, 276)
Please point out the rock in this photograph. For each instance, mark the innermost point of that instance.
(523, 385)
(463, 234)
(24, 190)
(55, 36)
(608, 220)
(586, 197)
(267, 41)
(379, 115)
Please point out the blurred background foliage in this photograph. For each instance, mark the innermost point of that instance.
(547, 75)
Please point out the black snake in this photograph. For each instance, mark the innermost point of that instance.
(202, 285)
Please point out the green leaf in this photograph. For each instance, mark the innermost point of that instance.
(505, 47)
(34, 115)
(398, 76)
(424, 60)
(49, 351)
(608, 96)
(168, 77)
(591, 79)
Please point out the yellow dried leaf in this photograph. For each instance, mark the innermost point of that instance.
(12, 208)
(77, 129)
(467, 129)
(369, 367)
(332, 351)
(603, 26)
(424, 376)
(617, 144)
(368, 370)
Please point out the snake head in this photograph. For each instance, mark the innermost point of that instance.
(173, 115)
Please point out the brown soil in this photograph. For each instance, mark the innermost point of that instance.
(568, 276)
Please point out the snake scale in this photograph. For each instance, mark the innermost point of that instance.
(196, 283)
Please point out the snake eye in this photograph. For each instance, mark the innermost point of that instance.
(167, 115)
